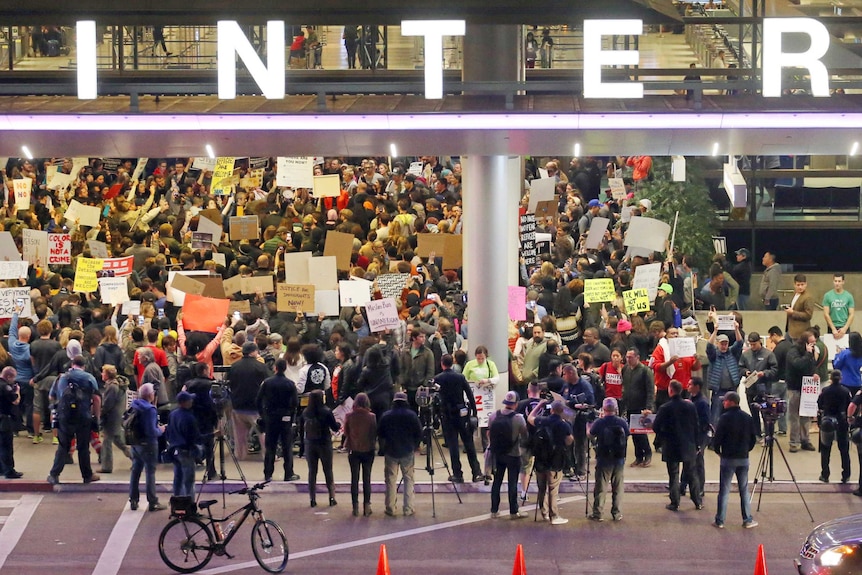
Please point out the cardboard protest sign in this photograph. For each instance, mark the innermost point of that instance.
(213, 286)
(22, 193)
(213, 215)
(13, 270)
(296, 266)
(647, 276)
(232, 285)
(8, 250)
(253, 179)
(382, 314)
(391, 285)
(647, 233)
(176, 296)
(204, 313)
(327, 186)
(187, 285)
(85, 274)
(9, 298)
(223, 176)
(98, 249)
(59, 249)
(322, 273)
(453, 251)
(340, 245)
(295, 172)
(517, 303)
(114, 291)
(253, 284)
(242, 306)
(541, 190)
(682, 346)
(596, 233)
(354, 292)
(636, 301)
(35, 246)
(431, 243)
(244, 228)
(291, 297)
(599, 290)
(546, 209)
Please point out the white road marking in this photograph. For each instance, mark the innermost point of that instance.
(378, 539)
(9, 502)
(16, 523)
(118, 543)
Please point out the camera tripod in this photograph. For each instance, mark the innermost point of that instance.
(766, 466)
(431, 443)
(222, 446)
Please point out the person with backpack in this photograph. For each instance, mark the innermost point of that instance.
(506, 428)
(77, 395)
(553, 435)
(611, 433)
(183, 440)
(113, 405)
(145, 450)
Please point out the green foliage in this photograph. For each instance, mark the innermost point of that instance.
(697, 219)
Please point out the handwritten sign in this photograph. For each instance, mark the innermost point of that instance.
(647, 276)
(132, 307)
(484, 402)
(114, 291)
(382, 314)
(9, 298)
(292, 297)
(808, 398)
(35, 246)
(98, 249)
(85, 274)
(59, 249)
(618, 188)
(599, 290)
(327, 186)
(244, 228)
(636, 300)
(727, 322)
(254, 284)
(528, 239)
(222, 180)
(22, 193)
(682, 346)
(242, 306)
(13, 270)
(295, 172)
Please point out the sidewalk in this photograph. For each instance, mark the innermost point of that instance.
(35, 461)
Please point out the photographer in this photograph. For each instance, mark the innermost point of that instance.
(579, 395)
(760, 362)
(549, 465)
(10, 396)
(456, 417)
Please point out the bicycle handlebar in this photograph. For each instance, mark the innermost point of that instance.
(253, 488)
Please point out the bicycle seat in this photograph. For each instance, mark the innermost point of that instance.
(207, 503)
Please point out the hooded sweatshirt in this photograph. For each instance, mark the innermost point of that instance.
(147, 413)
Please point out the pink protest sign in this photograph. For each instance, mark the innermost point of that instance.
(517, 303)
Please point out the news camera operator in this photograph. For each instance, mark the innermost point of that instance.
(760, 363)
(457, 416)
(10, 396)
(579, 395)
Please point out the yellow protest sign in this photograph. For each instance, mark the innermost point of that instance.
(85, 274)
(599, 290)
(636, 300)
(223, 176)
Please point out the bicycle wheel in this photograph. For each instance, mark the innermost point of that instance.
(186, 545)
(269, 545)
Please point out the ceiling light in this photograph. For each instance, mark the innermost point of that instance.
(577, 150)
(26, 151)
(210, 152)
(392, 150)
(854, 149)
(715, 149)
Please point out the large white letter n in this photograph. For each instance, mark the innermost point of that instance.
(232, 42)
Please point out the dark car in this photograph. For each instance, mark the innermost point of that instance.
(833, 548)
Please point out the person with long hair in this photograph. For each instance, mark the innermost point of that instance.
(375, 380)
(483, 373)
(360, 429)
(318, 424)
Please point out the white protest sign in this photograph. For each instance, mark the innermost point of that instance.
(8, 250)
(295, 172)
(596, 233)
(22, 193)
(328, 186)
(98, 249)
(322, 273)
(382, 314)
(13, 270)
(682, 346)
(61, 181)
(618, 188)
(83, 215)
(139, 168)
(219, 259)
(647, 233)
(206, 164)
(132, 307)
(35, 245)
(833, 345)
(647, 276)
(541, 191)
(207, 226)
(626, 214)
(484, 403)
(59, 249)
(726, 322)
(9, 298)
(808, 398)
(114, 291)
(415, 168)
(391, 285)
(326, 302)
(354, 292)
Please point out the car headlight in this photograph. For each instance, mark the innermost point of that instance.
(835, 556)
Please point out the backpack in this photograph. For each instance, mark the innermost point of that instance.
(501, 434)
(316, 377)
(132, 427)
(74, 405)
(545, 449)
(611, 443)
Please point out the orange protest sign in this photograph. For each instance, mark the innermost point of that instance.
(204, 313)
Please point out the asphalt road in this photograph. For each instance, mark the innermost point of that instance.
(95, 533)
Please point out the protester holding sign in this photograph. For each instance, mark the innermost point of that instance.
(801, 364)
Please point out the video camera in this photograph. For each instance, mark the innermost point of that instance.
(586, 414)
(771, 407)
(428, 400)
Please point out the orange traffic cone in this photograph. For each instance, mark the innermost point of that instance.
(520, 567)
(383, 562)
(760, 564)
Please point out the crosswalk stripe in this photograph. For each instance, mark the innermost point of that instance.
(118, 543)
(8, 502)
(16, 523)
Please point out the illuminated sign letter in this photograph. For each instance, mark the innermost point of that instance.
(595, 58)
(86, 57)
(774, 59)
(433, 31)
(232, 42)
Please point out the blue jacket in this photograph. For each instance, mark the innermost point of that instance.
(182, 431)
(77, 375)
(150, 419)
(20, 352)
(718, 361)
(849, 366)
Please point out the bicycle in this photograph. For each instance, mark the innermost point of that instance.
(187, 543)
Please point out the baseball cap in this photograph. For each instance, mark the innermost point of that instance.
(185, 396)
(743, 252)
(722, 337)
(666, 288)
(511, 398)
(594, 204)
(397, 172)
(400, 396)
